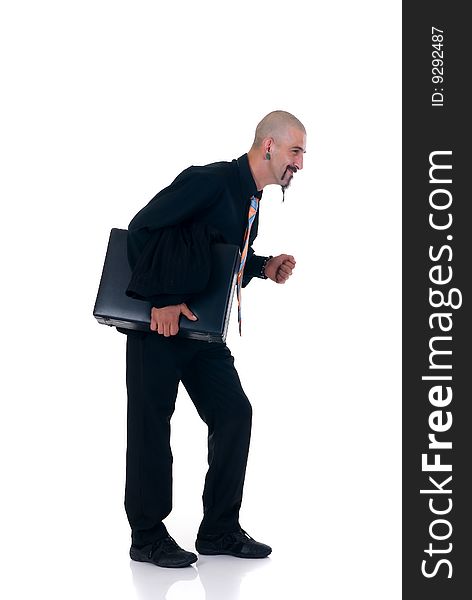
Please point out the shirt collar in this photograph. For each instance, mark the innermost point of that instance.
(248, 185)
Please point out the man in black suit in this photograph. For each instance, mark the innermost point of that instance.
(218, 195)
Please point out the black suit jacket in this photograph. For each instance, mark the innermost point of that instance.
(214, 197)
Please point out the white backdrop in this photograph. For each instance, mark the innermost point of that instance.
(104, 103)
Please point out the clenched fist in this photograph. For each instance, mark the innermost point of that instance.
(279, 268)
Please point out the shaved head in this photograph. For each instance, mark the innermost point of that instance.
(275, 125)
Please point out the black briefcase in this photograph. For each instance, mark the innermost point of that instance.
(212, 307)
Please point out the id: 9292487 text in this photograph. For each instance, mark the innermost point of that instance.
(437, 66)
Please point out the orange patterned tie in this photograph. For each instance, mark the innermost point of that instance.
(251, 216)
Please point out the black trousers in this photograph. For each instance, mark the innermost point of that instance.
(154, 366)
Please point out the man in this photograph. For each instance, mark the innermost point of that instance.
(219, 195)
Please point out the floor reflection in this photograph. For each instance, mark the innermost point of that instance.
(220, 576)
(153, 583)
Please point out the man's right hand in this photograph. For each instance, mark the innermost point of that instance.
(166, 320)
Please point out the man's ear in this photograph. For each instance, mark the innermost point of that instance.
(267, 145)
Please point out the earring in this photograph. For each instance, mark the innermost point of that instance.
(267, 155)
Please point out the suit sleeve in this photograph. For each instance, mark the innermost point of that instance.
(191, 193)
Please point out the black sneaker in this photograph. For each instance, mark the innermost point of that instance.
(163, 553)
(235, 543)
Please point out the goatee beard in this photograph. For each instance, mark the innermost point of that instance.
(284, 187)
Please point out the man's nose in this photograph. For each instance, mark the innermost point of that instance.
(299, 162)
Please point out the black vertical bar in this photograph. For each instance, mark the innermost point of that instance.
(436, 271)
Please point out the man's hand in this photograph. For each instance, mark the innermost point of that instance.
(279, 268)
(166, 320)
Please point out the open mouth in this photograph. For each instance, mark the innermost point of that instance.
(290, 170)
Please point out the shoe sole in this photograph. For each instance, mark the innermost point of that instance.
(139, 558)
(237, 555)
